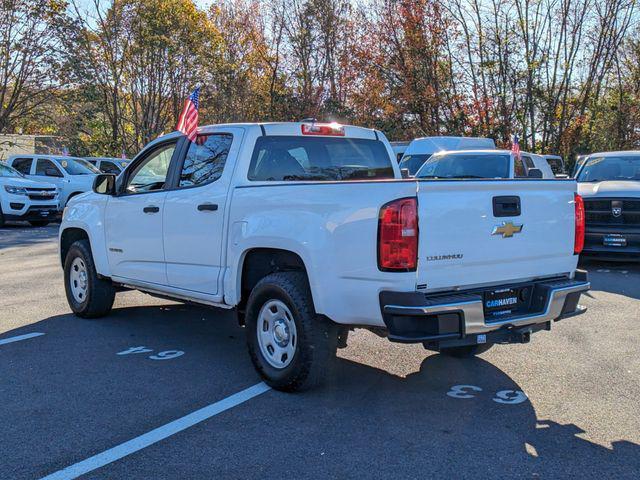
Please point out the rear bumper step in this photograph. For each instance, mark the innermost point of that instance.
(417, 318)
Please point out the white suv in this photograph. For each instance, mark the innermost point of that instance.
(109, 164)
(71, 175)
(22, 199)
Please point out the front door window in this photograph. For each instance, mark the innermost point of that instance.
(151, 174)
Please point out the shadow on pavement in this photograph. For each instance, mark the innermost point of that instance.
(370, 421)
(68, 395)
(367, 423)
(613, 277)
(23, 234)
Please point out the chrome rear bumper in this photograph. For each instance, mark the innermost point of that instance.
(459, 315)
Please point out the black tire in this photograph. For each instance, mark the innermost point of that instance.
(39, 223)
(1, 218)
(317, 338)
(100, 293)
(466, 351)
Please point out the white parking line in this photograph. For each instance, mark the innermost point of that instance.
(26, 336)
(154, 436)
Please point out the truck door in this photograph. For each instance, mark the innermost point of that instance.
(194, 212)
(133, 219)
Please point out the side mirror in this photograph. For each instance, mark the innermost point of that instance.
(534, 173)
(404, 172)
(52, 172)
(105, 184)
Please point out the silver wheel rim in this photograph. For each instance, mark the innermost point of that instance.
(277, 334)
(78, 280)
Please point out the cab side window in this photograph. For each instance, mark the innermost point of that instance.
(109, 167)
(518, 168)
(23, 165)
(150, 174)
(205, 159)
(528, 163)
(47, 168)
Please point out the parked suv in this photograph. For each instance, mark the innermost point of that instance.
(308, 231)
(420, 149)
(26, 200)
(109, 164)
(484, 164)
(610, 185)
(71, 175)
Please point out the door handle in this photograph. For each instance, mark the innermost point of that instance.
(506, 206)
(207, 207)
(151, 209)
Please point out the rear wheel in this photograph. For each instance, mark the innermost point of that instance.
(88, 295)
(289, 344)
(39, 223)
(466, 351)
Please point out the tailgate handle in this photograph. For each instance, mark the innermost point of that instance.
(507, 206)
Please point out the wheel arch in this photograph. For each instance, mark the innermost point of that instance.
(257, 263)
(71, 195)
(68, 237)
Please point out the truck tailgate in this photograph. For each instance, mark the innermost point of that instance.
(465, 242)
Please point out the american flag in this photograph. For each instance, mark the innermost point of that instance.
(515, 146)
(188, 121)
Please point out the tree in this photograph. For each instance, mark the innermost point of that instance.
(29, 44)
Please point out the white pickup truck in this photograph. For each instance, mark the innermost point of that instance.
(307, 230)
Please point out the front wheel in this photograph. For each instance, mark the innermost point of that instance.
(290, 346)
(88, 295)
(466, 351)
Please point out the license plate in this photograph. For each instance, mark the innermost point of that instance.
(614, 240)
(45, 213)
(501, 302)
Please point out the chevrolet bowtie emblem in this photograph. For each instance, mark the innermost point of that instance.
(507, 229)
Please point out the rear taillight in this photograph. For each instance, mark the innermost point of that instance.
(580, 222)
(330, 129)
(398, 235)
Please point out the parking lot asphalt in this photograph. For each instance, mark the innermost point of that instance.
(565, 405)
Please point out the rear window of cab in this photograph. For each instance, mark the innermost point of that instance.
(297, 158)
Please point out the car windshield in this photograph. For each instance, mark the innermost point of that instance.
(294, 158)
(466, 165)
(413, 162)
(77, 166)
(7, 171)
(599, 169)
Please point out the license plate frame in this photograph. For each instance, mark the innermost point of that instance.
(501, 301)
(614, 240)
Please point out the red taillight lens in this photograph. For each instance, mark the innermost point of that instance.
(331, 129)
(580, 222)
(398, 235)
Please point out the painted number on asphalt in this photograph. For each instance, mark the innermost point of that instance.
(165, 355)
(131, 350)
(505, 397)
(511, 397)
(463, 391)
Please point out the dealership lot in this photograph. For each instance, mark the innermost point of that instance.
(565, 405)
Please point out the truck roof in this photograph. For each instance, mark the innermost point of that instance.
(430, 145)
(281, 128)
(484, 152)
(44, 155)
(622, 153)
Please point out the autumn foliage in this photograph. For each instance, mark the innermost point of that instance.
(110, 76)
